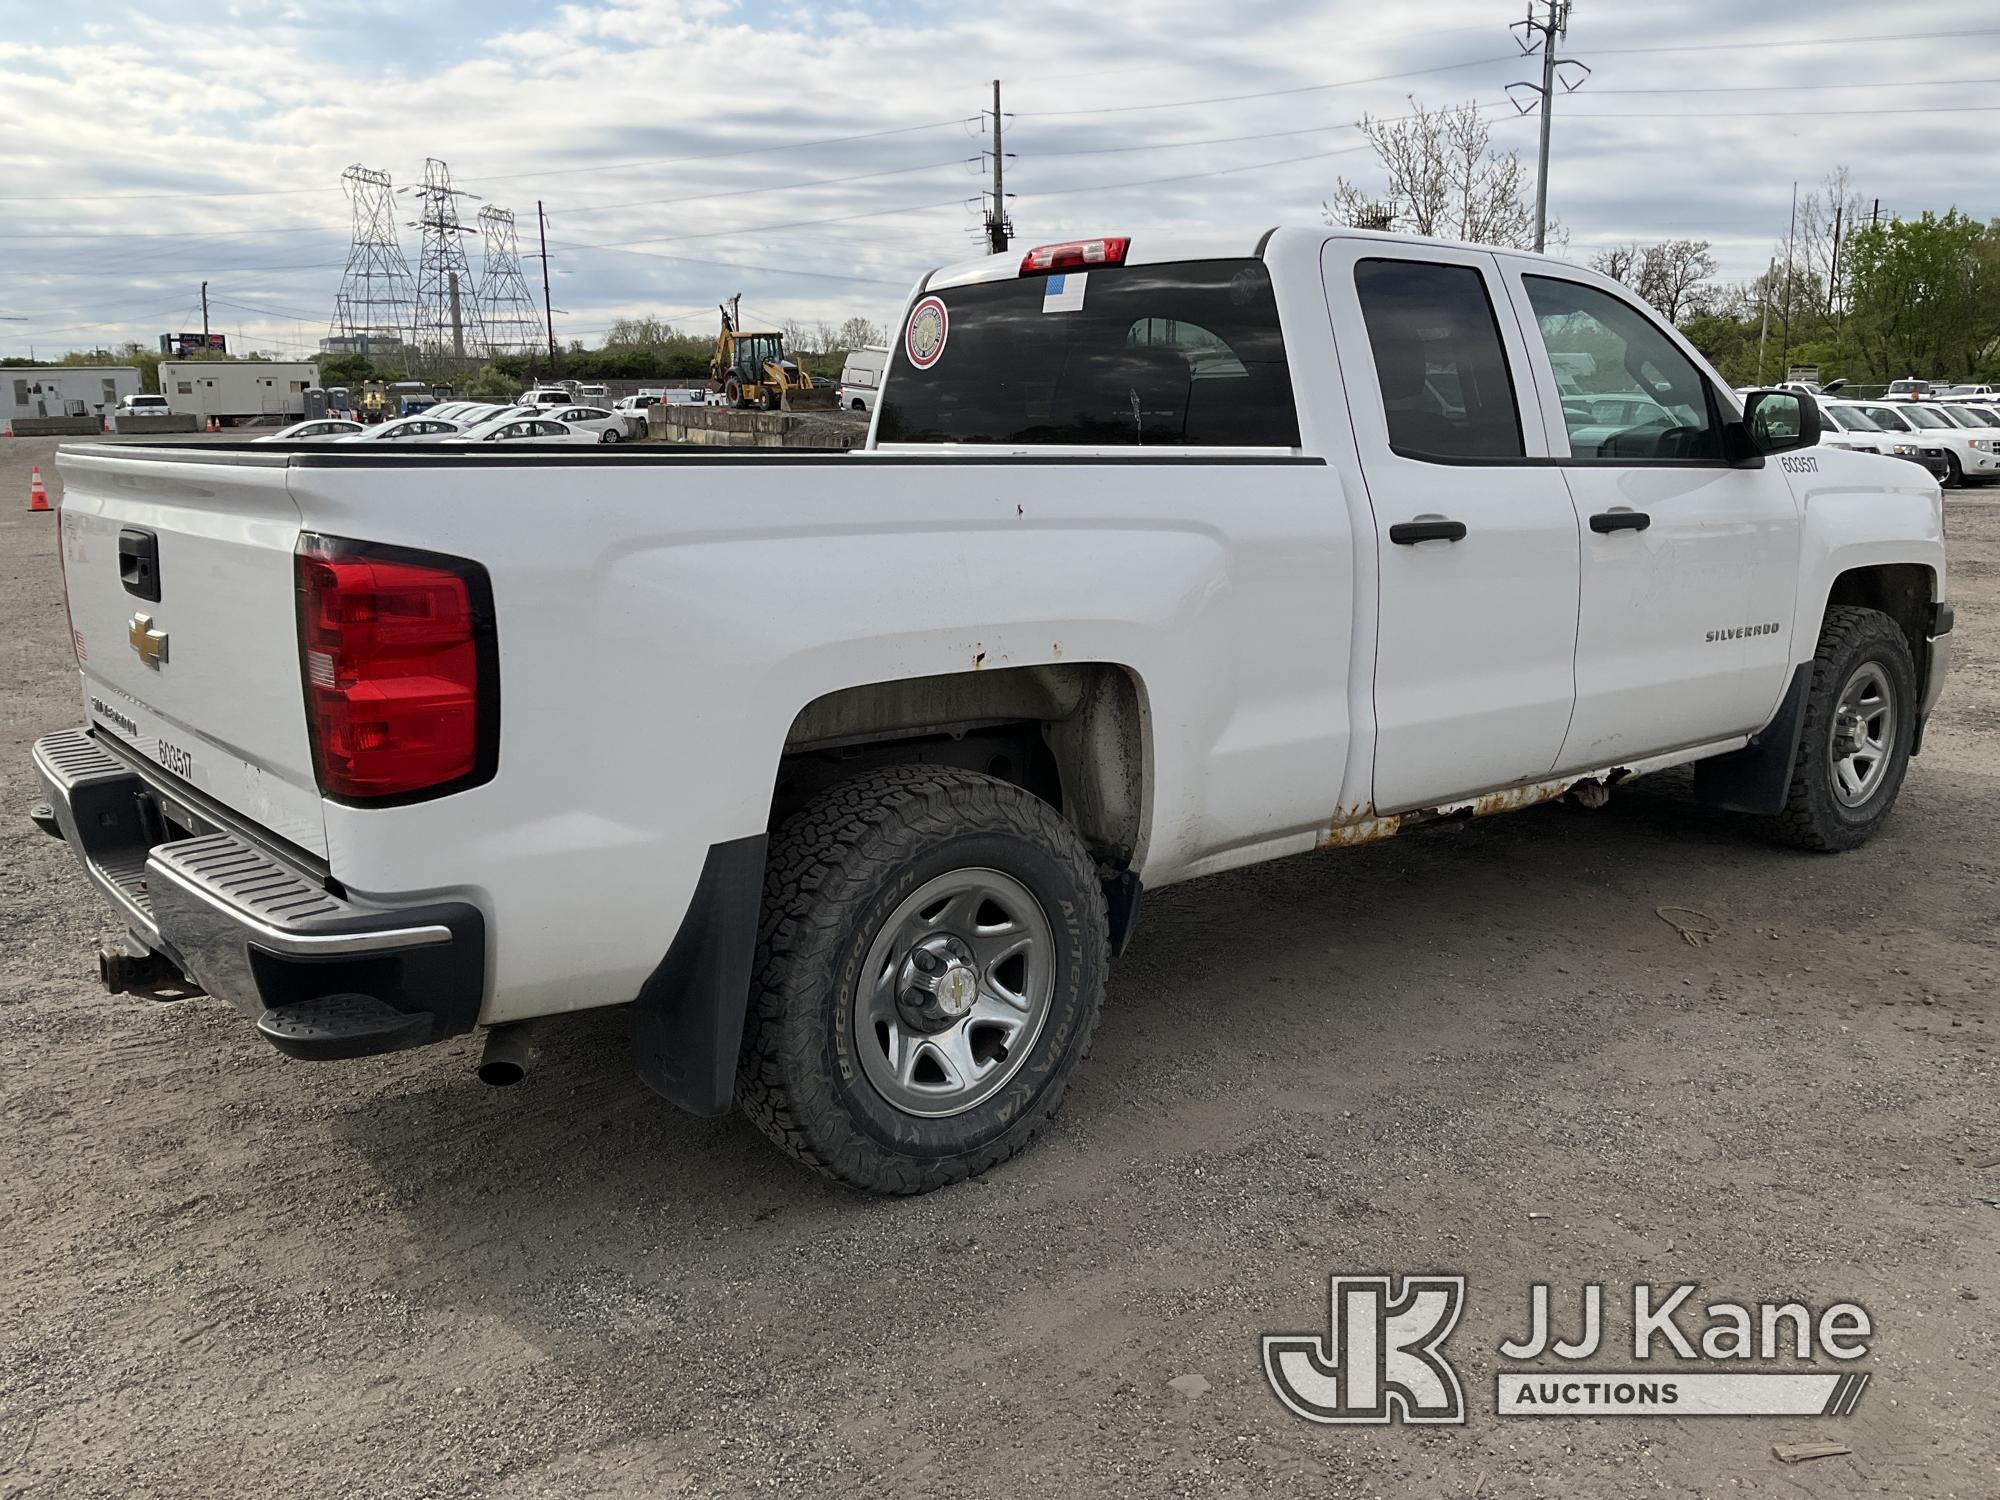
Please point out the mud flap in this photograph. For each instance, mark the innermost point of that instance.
(1757, 778)
(690, 1012)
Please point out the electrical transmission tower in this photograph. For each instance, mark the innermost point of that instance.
(505, 304)
(447, 321)
(375, 306)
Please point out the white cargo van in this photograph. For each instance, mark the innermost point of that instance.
(861, 377)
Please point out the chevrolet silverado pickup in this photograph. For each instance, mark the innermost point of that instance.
(844, 775)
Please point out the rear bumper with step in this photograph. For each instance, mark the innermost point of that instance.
(321, 976)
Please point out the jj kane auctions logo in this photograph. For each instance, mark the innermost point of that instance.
(1382, 1358)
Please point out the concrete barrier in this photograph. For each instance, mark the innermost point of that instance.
(721, 426)
(56, 426)
(169, 422)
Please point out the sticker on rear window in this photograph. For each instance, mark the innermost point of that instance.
(923, 339)
(1064, 293)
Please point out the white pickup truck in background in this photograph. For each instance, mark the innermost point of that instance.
(846, 773)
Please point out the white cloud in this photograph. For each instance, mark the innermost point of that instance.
(614, 107)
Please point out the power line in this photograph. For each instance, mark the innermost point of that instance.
(1309, 88)
(711, 234)
(736, 265)
(666, 161)
(788, 187)
(1765, 44)
(1108, 187)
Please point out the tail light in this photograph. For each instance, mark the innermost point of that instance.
(401, 670)
(1075, 255)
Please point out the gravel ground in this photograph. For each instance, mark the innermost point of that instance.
(224, 1273)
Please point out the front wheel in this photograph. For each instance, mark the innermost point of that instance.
(1854, 747)
(930, 965)
(1954, 471)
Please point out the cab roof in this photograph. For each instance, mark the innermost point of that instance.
(1221, 244)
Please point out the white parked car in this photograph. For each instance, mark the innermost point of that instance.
(514, 429)
(845, 778)
(610, 426)
(547, 396)
(138, 405)
(319, 430)
(1847, 426)
(418, 429)
(1969, 455)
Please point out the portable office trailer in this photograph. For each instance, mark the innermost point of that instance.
(64, 390)
(231, 390)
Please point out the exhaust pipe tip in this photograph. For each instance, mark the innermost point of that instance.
(509, 1050)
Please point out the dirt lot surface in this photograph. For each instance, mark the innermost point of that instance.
(223, 1273)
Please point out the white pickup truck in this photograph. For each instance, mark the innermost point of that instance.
(844, 773)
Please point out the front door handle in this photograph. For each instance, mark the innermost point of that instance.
(1409, 533)
(1607, 521)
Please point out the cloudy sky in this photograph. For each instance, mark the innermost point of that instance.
(816, 158)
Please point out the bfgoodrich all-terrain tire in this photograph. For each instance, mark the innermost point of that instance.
(1854, 747)
(930, 966)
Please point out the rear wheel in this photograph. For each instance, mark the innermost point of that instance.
(611, 435)
(930, 966)
(1954, 475)
(1854, 747)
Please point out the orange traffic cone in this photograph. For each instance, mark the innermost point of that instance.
(38, 495)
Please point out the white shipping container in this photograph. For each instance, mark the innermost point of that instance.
(232, 389)
(64, 390)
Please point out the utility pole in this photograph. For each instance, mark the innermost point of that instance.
(1833, 260)
(997, 225)
(204, 317)
(1764, 333)
(457, 321)
(1791, 233)
(1542, 34)
(548, 305)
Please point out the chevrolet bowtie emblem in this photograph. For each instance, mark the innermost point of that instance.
(151, 644)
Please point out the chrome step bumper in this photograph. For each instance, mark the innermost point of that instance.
(245, 924)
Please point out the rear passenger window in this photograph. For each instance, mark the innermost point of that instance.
(1445, 385)
(1180, 355)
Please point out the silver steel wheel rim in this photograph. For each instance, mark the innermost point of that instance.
(1863, 735)
(992, 952)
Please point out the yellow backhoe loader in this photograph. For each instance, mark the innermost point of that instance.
(750, 369)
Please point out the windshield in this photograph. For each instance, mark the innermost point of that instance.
(1885, 418)
(1919, 416)
(1973, 416)
(1904, 387)
(1852, 419)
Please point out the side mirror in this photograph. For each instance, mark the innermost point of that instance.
(1779, 421)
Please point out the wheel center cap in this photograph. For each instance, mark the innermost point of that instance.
(957, 988)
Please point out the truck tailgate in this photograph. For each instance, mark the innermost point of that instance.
(197, 666)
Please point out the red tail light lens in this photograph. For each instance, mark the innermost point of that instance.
(1076, 255)
(400, 668)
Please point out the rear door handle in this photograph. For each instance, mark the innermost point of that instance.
(1606, 521)
(1409, 533)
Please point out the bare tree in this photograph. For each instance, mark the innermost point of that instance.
(1620, 263)
(859, 333)
(1444, 179)
(1827, 216)
(641, 333)
(1672, 275)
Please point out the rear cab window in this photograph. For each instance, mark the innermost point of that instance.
(1180, 355)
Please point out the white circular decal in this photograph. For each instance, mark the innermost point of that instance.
(923, 339)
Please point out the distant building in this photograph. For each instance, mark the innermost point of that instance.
(367, 345)
(64, 390)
